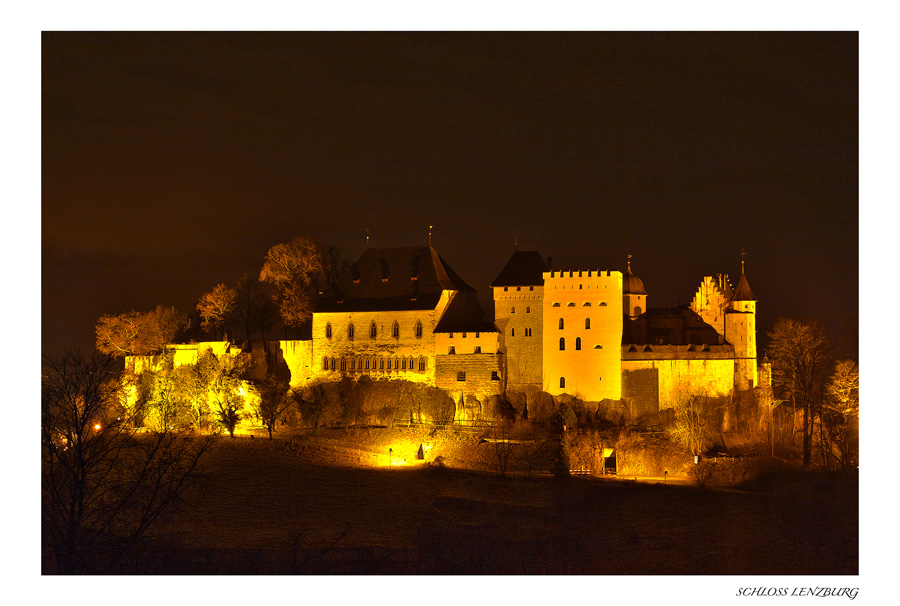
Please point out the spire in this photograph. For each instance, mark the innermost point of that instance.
(429, 235)
(742, 292)
(629, 262)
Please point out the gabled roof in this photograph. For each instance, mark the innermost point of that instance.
(524, 268)
(384, 279)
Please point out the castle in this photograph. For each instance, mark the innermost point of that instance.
(403, 313)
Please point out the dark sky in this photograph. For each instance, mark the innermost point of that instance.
(172, 162)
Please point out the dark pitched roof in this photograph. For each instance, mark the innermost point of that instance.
(742, 292)
(524, 268)
(384, 279)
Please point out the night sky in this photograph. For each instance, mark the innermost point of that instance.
(172, 162)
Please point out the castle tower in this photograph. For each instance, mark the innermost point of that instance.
(518, 313)
(740, 332)
(634, 297)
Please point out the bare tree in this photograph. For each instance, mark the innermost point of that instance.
(691, 423)
(139, 334)
(216, 307)
(102, 484)
(799, 354)
(253, 306)
(273, 402)
(841, 411)
(292, 268)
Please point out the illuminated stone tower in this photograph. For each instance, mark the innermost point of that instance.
(634, 297)
(518, 313)
(740, 332)
(583, 334)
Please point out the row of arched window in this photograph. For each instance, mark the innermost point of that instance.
(373, 330)
(562, 343)
(512, 309)
(374, 363)
(587, 323)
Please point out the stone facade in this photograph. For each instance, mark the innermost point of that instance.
(583, 334)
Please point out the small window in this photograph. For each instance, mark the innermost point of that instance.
(512, 332)
(373, 330)
(350, 332)
(518, 288)
(528, 309)
(562, 382)
(527, 332)
(562, 343)
(531, 288)
(571, 304)
(602, 303)
(464, 335)
(562, 324)
(477, 335)
(598, 347)
(505, 289)
(478, 349)
(328, 330)
(587, 323)
(461, 376)
(352, 363)
(587, 304)
(395, 330)
(403, 363)
(556, 304)
(495, 376)
(577, 343)
(381, 364)
(452, 350)
(512, 309)
(418, 329)
(324, 363)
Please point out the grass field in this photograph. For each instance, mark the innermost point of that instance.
(277, 507)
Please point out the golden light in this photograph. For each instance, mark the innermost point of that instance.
(97, 427)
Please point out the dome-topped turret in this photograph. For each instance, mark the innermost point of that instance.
(631, 284)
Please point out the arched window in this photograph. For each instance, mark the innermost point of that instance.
(324, 363)
(373, 330)
(328, 330)
(587, 322)
(637, 311)
(343, 364)
(403, 362)
(381, 364)
(333, 363)
(422, 363)
(562, 343)
(561, 324)
(512, 309)
(352, 363)
(418, 329)
(389, 364)
(411, 363)
(367, 363)
(512, 332)
(350, 331)
(528, 309)
(395, 329)
(562, 382)
(577, 343)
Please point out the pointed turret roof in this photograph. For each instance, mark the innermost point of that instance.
(742, 292)
(524, 268)
(631, 284)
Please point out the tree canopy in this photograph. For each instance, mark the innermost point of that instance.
(139, 334)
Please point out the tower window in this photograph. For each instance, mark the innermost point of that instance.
(495, 376)
(452, 350)
(478, 349)
(587, 322)
(531, 288)
(528, 309)
(373, 330)
(350, 332)
(587, 304)
(461, 376)
(324, 363)
(578, 343)
(571, 305)
(561, 324)
(527, 332)
(512, 332)
(343, 364)
(422, 364)
(518, 288)
(562, 382)
(562, 343)
(418, 329)
(556, 304)
(328, 330)
(512, 309)
(395, 329)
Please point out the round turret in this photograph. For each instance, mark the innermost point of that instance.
(634, 297)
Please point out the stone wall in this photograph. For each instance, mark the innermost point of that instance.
(519, 315)
(481, 374)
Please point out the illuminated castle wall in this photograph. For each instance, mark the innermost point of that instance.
(404, 314)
